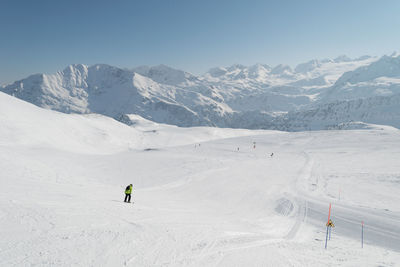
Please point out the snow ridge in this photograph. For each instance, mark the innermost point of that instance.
(313, 95)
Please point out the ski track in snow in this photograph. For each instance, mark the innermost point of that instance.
(207, 205)
(381, 229)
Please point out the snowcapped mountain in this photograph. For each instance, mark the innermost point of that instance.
(264, 75)
(380, 78)
(317, 94)
(375, 110)
(166, 75)
(113, 92)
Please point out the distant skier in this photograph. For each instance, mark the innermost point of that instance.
(128, 192)
(330, 223)
(272, 154)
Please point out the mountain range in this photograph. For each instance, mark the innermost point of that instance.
(319, 94)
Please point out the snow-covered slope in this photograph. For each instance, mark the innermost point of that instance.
(376, 110)
(380, 78)
(23, 124)
(221, 202)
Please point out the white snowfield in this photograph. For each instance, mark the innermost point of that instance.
(198, 200)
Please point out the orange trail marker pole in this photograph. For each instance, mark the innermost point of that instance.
(327, 226)
(329, 215)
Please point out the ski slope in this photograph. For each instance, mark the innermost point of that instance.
(63, 176)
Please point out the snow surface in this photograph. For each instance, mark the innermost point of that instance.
(198, 200)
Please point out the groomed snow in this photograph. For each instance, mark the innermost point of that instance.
(199, 201)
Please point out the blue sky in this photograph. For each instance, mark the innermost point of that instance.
(46, 36)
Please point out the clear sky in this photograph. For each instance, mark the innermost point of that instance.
(45, 36)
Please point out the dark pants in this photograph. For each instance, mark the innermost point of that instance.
(127, 198)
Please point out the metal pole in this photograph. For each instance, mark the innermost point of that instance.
(362, 234)
(330, 230)
(326, 240)
(327, 226)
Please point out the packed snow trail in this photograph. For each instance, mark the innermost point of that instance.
(380, 229)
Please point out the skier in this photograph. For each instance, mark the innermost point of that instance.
(272, 154)
(330, 223)
(128, 192)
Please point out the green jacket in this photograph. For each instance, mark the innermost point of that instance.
(129, 190)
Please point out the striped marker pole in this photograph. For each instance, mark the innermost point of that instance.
(362, 234)
(327, 226)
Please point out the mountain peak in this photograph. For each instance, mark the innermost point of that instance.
(74, 69)
(165, 74)
(365, 57)
(395, 54)
(217, 71)
(308, 66)
(342, 58)
(386, 66)
(282, 69)
(236, 67)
